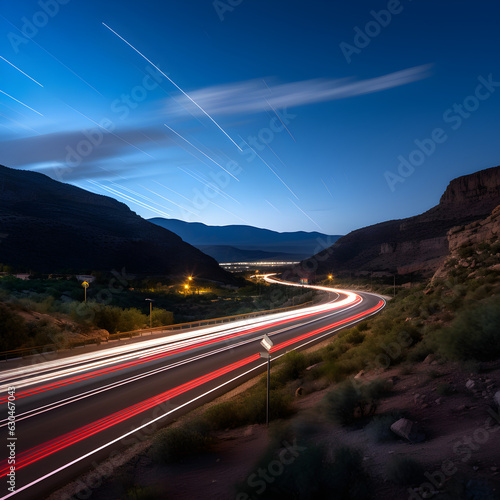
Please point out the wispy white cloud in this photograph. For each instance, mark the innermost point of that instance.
(255, 96)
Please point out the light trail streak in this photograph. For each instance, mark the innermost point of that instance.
(108, 131)
(310, 218)
(213, 202)
(21, 71)
(175, 192)
(286, 128)
(269, 203)
(170, 201)
(128, 198)
(131, 191)
(271, 169)
(53, 56)
(209, 184)
(173, 83)
(157, 349)
(199, 151)
(326, 187)
(20, 102)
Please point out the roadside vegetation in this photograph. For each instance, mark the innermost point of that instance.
(42, 311)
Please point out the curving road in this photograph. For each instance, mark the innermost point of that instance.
(61, 418)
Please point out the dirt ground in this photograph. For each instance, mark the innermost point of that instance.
(453, 407)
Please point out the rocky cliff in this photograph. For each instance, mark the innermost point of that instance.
(472, 247)
(417, 244)
(49, 226)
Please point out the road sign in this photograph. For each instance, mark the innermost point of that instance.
(85, 284)
(266, 343)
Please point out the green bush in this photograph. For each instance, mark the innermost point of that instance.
(225, 415)
(350, 400)
(292, 365)
(161, 317)
(175, 443)
(13, 329)
(475, 333)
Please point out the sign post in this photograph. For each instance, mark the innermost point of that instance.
(85, 285)
(267, 344)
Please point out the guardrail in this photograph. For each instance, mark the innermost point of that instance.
(29, 351)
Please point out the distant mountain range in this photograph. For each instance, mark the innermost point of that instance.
(48, 226)
(417, 244)
(235, 243)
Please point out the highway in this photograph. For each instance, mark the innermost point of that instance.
(61, 418)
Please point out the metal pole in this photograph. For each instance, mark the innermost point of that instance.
(85, 294)
(267, 399)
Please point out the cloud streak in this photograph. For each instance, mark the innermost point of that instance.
(254, 97)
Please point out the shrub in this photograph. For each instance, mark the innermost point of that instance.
(161, 317)
(175, 443)
(405, 471)
(13, 329)
(293, 363)
(474, 333)
(223, 415)
(348, 401)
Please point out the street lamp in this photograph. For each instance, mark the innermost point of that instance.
(150, 312)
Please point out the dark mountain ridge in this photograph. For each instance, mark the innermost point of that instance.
(416, 244)
(48, 226)
(300, 243)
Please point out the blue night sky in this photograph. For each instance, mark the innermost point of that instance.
(328, 118)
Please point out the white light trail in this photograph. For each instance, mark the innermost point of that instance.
(21, 71)
(209, 184)
(170, 201)
(175, 192)
(286, 128)
(108, 131)
(129, 198)
(174, 84)
(273, 206)
(199, 151)
(327, 188)
(312, 220)
(271, 169)
(22, 103)
(135, 193)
